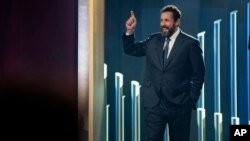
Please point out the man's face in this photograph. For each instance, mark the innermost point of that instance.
(168, 25)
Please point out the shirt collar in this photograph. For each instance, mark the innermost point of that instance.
(174, 36)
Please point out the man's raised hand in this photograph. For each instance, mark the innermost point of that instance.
(131, 23)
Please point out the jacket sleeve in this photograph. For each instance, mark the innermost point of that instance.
(134, 48)
(198, 68)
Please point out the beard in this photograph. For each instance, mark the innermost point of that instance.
(167, 31)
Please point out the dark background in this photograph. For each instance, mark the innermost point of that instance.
(197, 16)
(38, 82)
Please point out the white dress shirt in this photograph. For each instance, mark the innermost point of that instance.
(172, 40)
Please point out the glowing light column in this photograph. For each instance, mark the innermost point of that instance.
(119, 106)
(248, 58)
(107, 105)
(136, 111)
(217, 94)
(201, 112)
(233, 67)
(107, 122)
(166, 135)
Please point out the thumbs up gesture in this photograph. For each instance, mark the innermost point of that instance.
(131, 23)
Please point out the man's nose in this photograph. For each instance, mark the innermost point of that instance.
(163, 23)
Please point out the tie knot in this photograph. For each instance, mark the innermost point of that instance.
(167, 39)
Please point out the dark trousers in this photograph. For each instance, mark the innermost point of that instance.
(178, 120)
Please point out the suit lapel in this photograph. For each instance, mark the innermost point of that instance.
(176, 47)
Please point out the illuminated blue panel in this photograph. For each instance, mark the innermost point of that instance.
(248, 58)
(217, 95)
(201, 38)
(133, 111)
(118, 94)
(233, 62)
(201, 112)
(135, 96)
(107, 122)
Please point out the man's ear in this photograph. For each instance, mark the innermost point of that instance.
(178, 22)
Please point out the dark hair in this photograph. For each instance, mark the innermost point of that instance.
(172, 8)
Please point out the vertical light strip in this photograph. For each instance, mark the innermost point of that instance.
(166, 134)
(201, 122)
(135, 95)
(201, 38)
(248, 58)
(233, 68)
(83, 68)
(133, 83)
(91, 69)
(105, 71)
(107, 106)
(123, 118)
(105, 83)
(118, 94)
(217, 94)
(107, 122)
(218, 126)
(138, 96)
(97, 103)
(134, 110)
(201, 117)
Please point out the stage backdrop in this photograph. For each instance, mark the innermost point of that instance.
(197, 16)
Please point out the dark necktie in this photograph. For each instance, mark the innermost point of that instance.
(165, 50)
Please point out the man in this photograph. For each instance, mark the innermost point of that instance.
(174, 75)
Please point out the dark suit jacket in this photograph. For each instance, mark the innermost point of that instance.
(180, 80)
